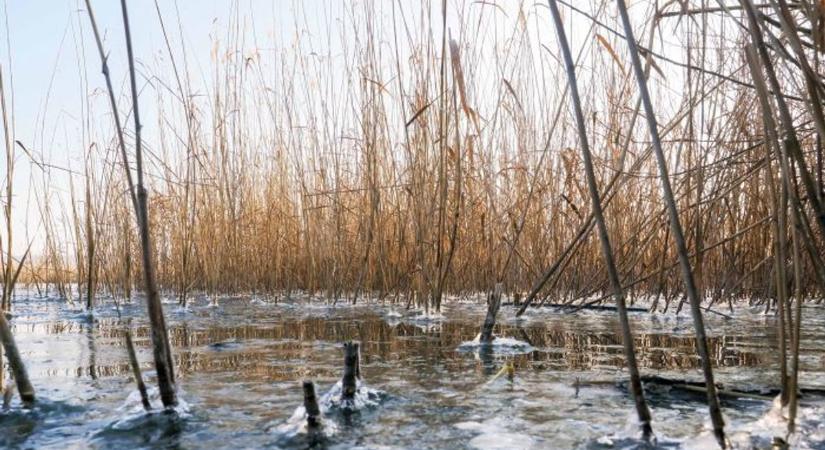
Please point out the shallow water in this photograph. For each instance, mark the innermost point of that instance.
(239, 367)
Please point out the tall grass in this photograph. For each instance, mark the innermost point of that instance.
(402, 164)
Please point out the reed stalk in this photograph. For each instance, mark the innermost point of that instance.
(636, 390)
(138, 194)
(676, 231)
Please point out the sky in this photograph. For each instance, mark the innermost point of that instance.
(52, 70)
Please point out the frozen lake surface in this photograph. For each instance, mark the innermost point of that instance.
(239, 367)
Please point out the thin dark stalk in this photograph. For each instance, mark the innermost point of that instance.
(779, 200)
(607, 251)
(160, 337)
(677, 232)
(90, 244)
(133, 362)
(793, 401)
(113, 103)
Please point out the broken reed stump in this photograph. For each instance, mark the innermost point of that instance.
(493, 304)
(311, 406)
(130, 348)
(18, 369)
(352, 371)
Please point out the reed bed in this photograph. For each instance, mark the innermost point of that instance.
(416, 159)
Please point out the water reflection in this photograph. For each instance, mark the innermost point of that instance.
(265, 351)
(240, 366)
(90, 338)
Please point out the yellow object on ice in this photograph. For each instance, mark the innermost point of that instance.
(508, 369)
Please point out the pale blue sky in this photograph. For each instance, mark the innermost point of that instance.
(49, 41)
